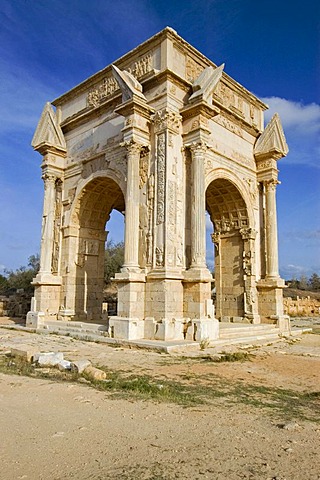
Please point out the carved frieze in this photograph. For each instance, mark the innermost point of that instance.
(159, 257)
(161, 177)
(231, 126)
(193, 69)
(143, 167)
(109, 85)
(57, 227)
(166, 119)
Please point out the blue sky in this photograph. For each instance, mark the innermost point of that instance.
(271, 47)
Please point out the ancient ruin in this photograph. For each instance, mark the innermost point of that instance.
(163, 136)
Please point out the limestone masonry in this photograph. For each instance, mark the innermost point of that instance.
(163, 135)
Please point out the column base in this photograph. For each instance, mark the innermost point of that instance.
(283, 323)
(126, 328)
(35, 319)
(205, 329)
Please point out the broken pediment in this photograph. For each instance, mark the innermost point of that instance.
(204, 86)
(129, 85)
(48, 131)
(272, 139)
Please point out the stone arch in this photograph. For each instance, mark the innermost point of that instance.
(240, 185)
(83, 184)
(95, 198)
(233, 237)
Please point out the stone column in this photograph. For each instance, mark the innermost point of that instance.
(198, 206)
(131, 252)
(47, 223)
(272, 268)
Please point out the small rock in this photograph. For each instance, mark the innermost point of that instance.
(79, 366)
(95, 373)
(48, 359)
(83, 380)
(290, 426)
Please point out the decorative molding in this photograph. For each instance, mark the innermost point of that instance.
(48, 131)
(161, 177)
(129, 86)
(206, 83)
(109, 85)
(272, 140)
(166, 119)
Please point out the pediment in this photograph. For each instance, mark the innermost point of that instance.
(48, 131)
(206, 83)
(128, 84)
(272, 139)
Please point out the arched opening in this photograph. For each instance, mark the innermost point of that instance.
(228, 213)
(97, 201)
(113, 261)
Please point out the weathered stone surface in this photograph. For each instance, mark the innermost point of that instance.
(164, 136)
(64, 365)
(95, 373)
(48, 359)
(24, 353)
(80, 365)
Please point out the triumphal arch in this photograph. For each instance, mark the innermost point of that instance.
(163, 136)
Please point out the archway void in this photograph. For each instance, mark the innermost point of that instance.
(228, 213)
(97, 201)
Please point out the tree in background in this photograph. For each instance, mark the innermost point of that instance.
(314, 282)
(21, 278)
(113, 260)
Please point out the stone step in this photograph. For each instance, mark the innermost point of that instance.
(238, 331)
(57, 325)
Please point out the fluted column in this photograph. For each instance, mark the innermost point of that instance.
(272, 267)
(198, 206)
(47, 223)
(131, 245)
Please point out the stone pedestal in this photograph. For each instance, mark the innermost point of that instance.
(270, 298)
(131, 294)
(126, 328)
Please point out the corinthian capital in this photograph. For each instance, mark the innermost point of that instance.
(166, 119)
(198, 148)
(49, 178)
(133, 147)
(271, 185)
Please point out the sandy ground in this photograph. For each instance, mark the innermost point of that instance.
(51, 430)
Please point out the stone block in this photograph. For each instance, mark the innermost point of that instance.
(34, 319)
(205, 329)
(95, 373)
(149, 328)
(80, 365)
(127, 328)
(64, 365)
(49, 359)
(24, 353)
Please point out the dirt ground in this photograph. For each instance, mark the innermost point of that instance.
(259, 419)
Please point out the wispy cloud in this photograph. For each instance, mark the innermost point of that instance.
(296, 271)
(301, 123)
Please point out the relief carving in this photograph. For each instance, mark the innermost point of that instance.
(193, 69)
(232, 127)
(166, 119)
(143, 167)
(159, 257)
(57, 227)
(161, 177)
(109, 85)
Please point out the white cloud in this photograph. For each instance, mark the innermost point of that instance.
(301, 123)
(294, 115)
(296, 271)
